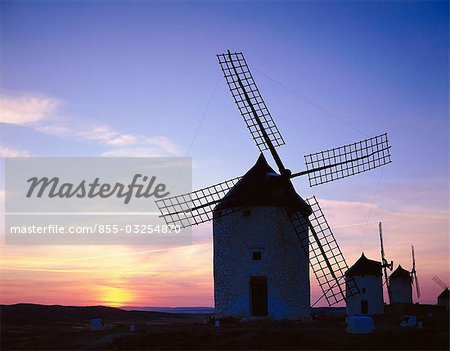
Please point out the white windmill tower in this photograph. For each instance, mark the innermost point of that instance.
(368, 277)
(257, 265)
(264, 232)
(402, 281)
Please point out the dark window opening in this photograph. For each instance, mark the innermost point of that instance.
(363, 290)
(246, 213)
(256, 255)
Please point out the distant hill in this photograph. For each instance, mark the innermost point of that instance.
(32, 313)
(27, 313)
(190, 310)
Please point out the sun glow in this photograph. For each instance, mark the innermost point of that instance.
(115, 297)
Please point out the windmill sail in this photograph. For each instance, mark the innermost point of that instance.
(345, 161)
(439, 282)
(416, 282)
(196, 207)
(249, 100)
(414, 279)
(384, 262)
(326, 259)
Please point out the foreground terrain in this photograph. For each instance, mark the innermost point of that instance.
(29, 327)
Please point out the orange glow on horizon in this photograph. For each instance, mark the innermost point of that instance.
(115, 297)
(140, 276)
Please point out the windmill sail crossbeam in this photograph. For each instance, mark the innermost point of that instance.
(327, 261)
(439, 282)
(194, 208)
(242, 85)
(345, 161)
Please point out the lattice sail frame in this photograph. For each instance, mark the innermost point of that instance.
(235, 70)
(194, 208)
(345, 161)
(326, 259)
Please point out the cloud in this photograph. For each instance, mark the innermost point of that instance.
(124, 139)
(121, 144)
(54, 129)
(6, 151)
(141, 146)
(135, 152)
(356, 223)
(39, 113)
(102, 134)
(27, 109)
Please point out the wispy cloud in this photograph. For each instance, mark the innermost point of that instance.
(41, 113)
(120, 144)
(403, 227)
(6, 151)
(27, 109)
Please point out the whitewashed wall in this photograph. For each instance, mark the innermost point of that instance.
(283, 263)
(373, 294)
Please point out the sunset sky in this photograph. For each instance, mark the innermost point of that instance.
(138, 78)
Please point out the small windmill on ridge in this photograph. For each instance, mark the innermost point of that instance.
(259, 219)
(444, 297)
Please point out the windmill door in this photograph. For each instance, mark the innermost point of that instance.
(364, 307)
(258, 296)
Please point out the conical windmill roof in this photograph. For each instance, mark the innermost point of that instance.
(364, 266)
(445, 294)
(400, 272)
(262, 186)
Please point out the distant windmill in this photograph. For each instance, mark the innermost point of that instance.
(439, 282)
(401, 282)
(384, 263)
(368, 276)
(256, 215)
(444, 296)
(414, 279)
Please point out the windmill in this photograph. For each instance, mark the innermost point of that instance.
(414, 279)
(444, 297)
(325, 257)
(384, 263)
(368, 276)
